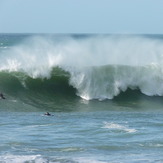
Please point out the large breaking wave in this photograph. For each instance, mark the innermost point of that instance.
(92, 67)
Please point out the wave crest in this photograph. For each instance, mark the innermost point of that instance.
(98, 67)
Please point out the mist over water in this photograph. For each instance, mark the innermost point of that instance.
(100, 66)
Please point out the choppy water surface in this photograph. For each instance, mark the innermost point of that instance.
(96, 136)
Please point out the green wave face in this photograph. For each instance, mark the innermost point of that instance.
(39, 92)
(59, 93)
(46, 71)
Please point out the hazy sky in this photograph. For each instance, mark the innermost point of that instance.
(81, 16)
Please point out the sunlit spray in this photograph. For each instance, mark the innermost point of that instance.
(100, 67)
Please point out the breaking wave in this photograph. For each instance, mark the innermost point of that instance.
(91, 67)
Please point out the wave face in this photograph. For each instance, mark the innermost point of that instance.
(90, 66)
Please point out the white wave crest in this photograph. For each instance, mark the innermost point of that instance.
(100, 66)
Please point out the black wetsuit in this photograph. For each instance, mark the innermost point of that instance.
(48, 114)
(2, 96)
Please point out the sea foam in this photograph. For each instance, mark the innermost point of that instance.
(115, 127)
(21, 159)
(100, 66)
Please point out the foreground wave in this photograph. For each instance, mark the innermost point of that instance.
(42, 68)
(118, 83)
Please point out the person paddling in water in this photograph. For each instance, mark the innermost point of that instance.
(47, 113)
(2, 96)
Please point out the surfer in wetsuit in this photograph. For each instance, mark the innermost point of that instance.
(47, 113)
(2, 96)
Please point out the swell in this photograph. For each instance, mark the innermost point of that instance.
(119, 83)
(44, 70)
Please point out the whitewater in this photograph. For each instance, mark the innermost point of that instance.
(100, 67)
(105, 92)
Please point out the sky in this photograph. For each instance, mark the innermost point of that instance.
(82, 16)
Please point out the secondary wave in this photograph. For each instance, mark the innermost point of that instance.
(93, 67)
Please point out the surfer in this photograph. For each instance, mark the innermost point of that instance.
(2, 96)
(47, 113)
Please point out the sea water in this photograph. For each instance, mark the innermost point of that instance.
(104, 93)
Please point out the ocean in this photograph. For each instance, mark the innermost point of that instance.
(104, 94)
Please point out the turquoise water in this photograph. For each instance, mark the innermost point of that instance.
(104, 94)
